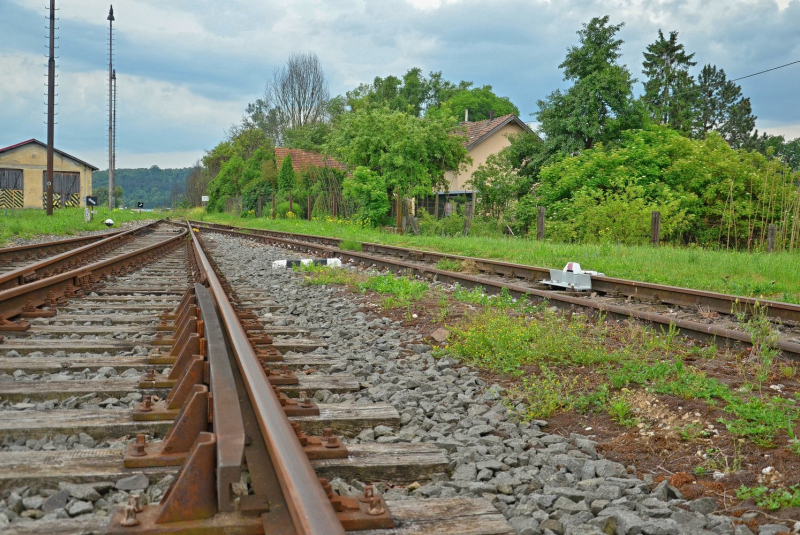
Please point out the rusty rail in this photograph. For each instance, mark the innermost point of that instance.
(21, 299)
(308, 503)
(68, 260)
(228, 426)
(673, 295)
(687, 327)
(9, 254)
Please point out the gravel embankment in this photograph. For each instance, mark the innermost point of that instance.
(543, 483)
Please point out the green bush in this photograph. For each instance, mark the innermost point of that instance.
(282, 208)
(368, 189)
(251, 193)
(453, 225)
(707, 193)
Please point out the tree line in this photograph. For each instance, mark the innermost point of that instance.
(155, 187)
(599, 161)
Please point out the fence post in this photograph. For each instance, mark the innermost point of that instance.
(436, 205)
(655, 228)
(260, 206)
(540, 222)
(772, 233)
(309, 207)
(399, 221)
(335, 206)
(273, 205)
(468, 214)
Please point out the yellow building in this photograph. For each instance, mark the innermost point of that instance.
(23, 174)
(484, 138)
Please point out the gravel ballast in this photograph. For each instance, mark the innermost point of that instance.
(543, 483)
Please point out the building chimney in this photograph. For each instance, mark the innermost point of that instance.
(491, 115)
(466, 115)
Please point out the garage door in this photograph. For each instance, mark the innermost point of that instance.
(66, 189)
(11, 188)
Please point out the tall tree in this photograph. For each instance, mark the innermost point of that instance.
(599, 105)
(286, 174)
(480, 101)
(197, 184)
(410, 154)
(297, 96)
(669, 89)
(413, 93)
(721, 107)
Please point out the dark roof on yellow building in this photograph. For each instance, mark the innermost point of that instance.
(44, 145)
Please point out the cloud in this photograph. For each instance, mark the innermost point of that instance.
(188, 69)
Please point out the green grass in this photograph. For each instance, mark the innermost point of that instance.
(547, 393)
(350, 245)
(69, 221)
(397, 291)
(773, 276)
(772, 499)
(505, 341)
(449, 264)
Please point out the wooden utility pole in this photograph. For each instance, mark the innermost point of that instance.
(309, 207)
(260, 206)
(51, 104)
(273, 205)
(111, 184)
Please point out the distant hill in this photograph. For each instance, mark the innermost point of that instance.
(154, 186)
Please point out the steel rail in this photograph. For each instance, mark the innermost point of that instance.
(14, 300)
(308, 504)
(674, 295)
(697, 330)
(228, 425)
(19, 276)
(6, 252)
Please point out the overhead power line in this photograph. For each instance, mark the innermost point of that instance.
(718, 84)
(762, 72)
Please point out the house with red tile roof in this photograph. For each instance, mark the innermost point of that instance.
(484, 138)
(304, 159)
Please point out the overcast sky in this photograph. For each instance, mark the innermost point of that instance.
(187, 69)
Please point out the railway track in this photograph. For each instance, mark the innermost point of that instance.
(708, 316)
(20, 255)
(140, 392)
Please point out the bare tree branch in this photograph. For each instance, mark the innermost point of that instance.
(296, 96)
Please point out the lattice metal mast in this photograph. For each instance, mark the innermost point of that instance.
(114, 142)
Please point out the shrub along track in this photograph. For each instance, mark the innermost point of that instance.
(130, 346)
(707, 316)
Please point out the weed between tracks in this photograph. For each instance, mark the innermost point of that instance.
(647, 395)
